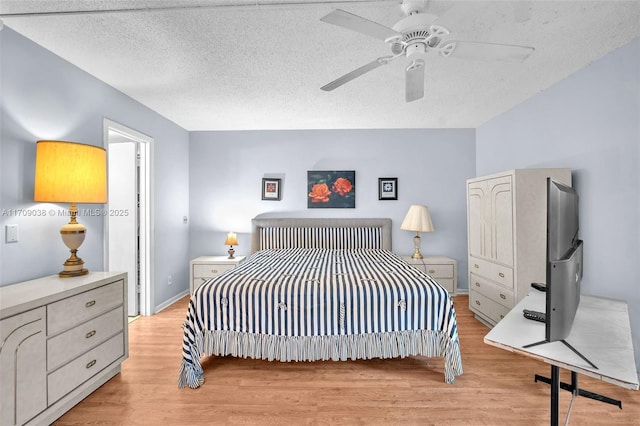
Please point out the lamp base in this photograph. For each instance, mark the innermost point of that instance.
(73, 234)
(73, 267)
(231, 251)
(416, 245)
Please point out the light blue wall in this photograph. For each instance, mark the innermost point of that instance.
(589, 122)
(45, 97)
(226, 169)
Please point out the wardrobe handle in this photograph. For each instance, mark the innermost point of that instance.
(477, 303)
(477, 284)
(90, 364)
(502, 296)
(501, 275)
(475, 265)
(90, 334)
(90, 304)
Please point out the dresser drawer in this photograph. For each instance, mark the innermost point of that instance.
(208, 271)
(486, 307)
(493, 291)
(66, 346)
(67, 378)
(69, 312)
(439, 271)
(493, 271)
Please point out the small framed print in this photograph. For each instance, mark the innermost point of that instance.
(271, 189)
(387, 188)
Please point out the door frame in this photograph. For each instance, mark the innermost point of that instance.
(146, 220)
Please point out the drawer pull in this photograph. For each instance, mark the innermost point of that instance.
(90, 304)
(90, 364)
(501, 316)
(214, 271)
(477, 284)
(500, 274)
(90, 334)
(432, 271)
(502, 296)
(477, 302)
(204, 279)
(475, 265)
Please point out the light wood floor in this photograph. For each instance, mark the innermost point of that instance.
(497, 388)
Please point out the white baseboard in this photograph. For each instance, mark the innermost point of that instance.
(171, 301)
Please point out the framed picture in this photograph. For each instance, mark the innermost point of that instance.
(271, 189)
(387, 188)
(331, 189)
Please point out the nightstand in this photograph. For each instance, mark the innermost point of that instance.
(204, 267)
(441, 268)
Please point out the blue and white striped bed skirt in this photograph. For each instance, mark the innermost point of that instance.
(320, 304)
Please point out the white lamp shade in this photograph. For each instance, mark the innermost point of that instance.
(417, 219)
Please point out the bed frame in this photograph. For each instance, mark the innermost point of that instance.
(384, 225)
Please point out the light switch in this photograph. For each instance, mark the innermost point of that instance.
(11, 234)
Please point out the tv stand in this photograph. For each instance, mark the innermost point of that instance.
(576, 391)
(601, 328)
(530, 345)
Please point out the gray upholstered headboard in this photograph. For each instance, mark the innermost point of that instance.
(324, 233)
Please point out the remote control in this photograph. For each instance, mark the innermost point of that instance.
(539, 286)
(534, 315)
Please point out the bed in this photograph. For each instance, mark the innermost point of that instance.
(320, 289)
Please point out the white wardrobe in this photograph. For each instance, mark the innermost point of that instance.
(506, 224)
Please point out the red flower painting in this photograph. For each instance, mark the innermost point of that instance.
(331, 189)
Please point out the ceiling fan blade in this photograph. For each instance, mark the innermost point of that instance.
(414, 80)
(487, 51)
(353, 74)
(359, 24)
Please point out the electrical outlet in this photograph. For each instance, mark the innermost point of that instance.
(11, 234)
(169, 282)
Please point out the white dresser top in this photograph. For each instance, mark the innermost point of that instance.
(20, 297)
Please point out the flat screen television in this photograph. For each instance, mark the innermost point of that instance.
(564, 260)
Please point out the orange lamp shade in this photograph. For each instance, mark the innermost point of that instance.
(70, 172)
(232, 239)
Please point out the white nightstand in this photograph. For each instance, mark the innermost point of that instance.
(204, 267)
(441, 268)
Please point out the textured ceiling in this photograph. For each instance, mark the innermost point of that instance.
(229, 65)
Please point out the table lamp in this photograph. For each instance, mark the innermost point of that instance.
(418, 220)
(69, 172)
(232, 240)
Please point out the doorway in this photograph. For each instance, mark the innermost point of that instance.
(128, 219)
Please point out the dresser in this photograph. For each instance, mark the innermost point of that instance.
(61, 339)
(507, 226)
(441, 268)
(204, 267)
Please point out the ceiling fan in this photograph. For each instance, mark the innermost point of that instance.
(414, 37)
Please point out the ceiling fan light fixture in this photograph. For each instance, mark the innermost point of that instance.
(415, 51)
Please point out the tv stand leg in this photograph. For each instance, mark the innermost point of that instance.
(555, 394)
(575, 390)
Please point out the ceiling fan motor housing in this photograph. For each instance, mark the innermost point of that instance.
(418, 35)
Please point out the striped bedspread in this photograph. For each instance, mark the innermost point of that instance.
(320, 304)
